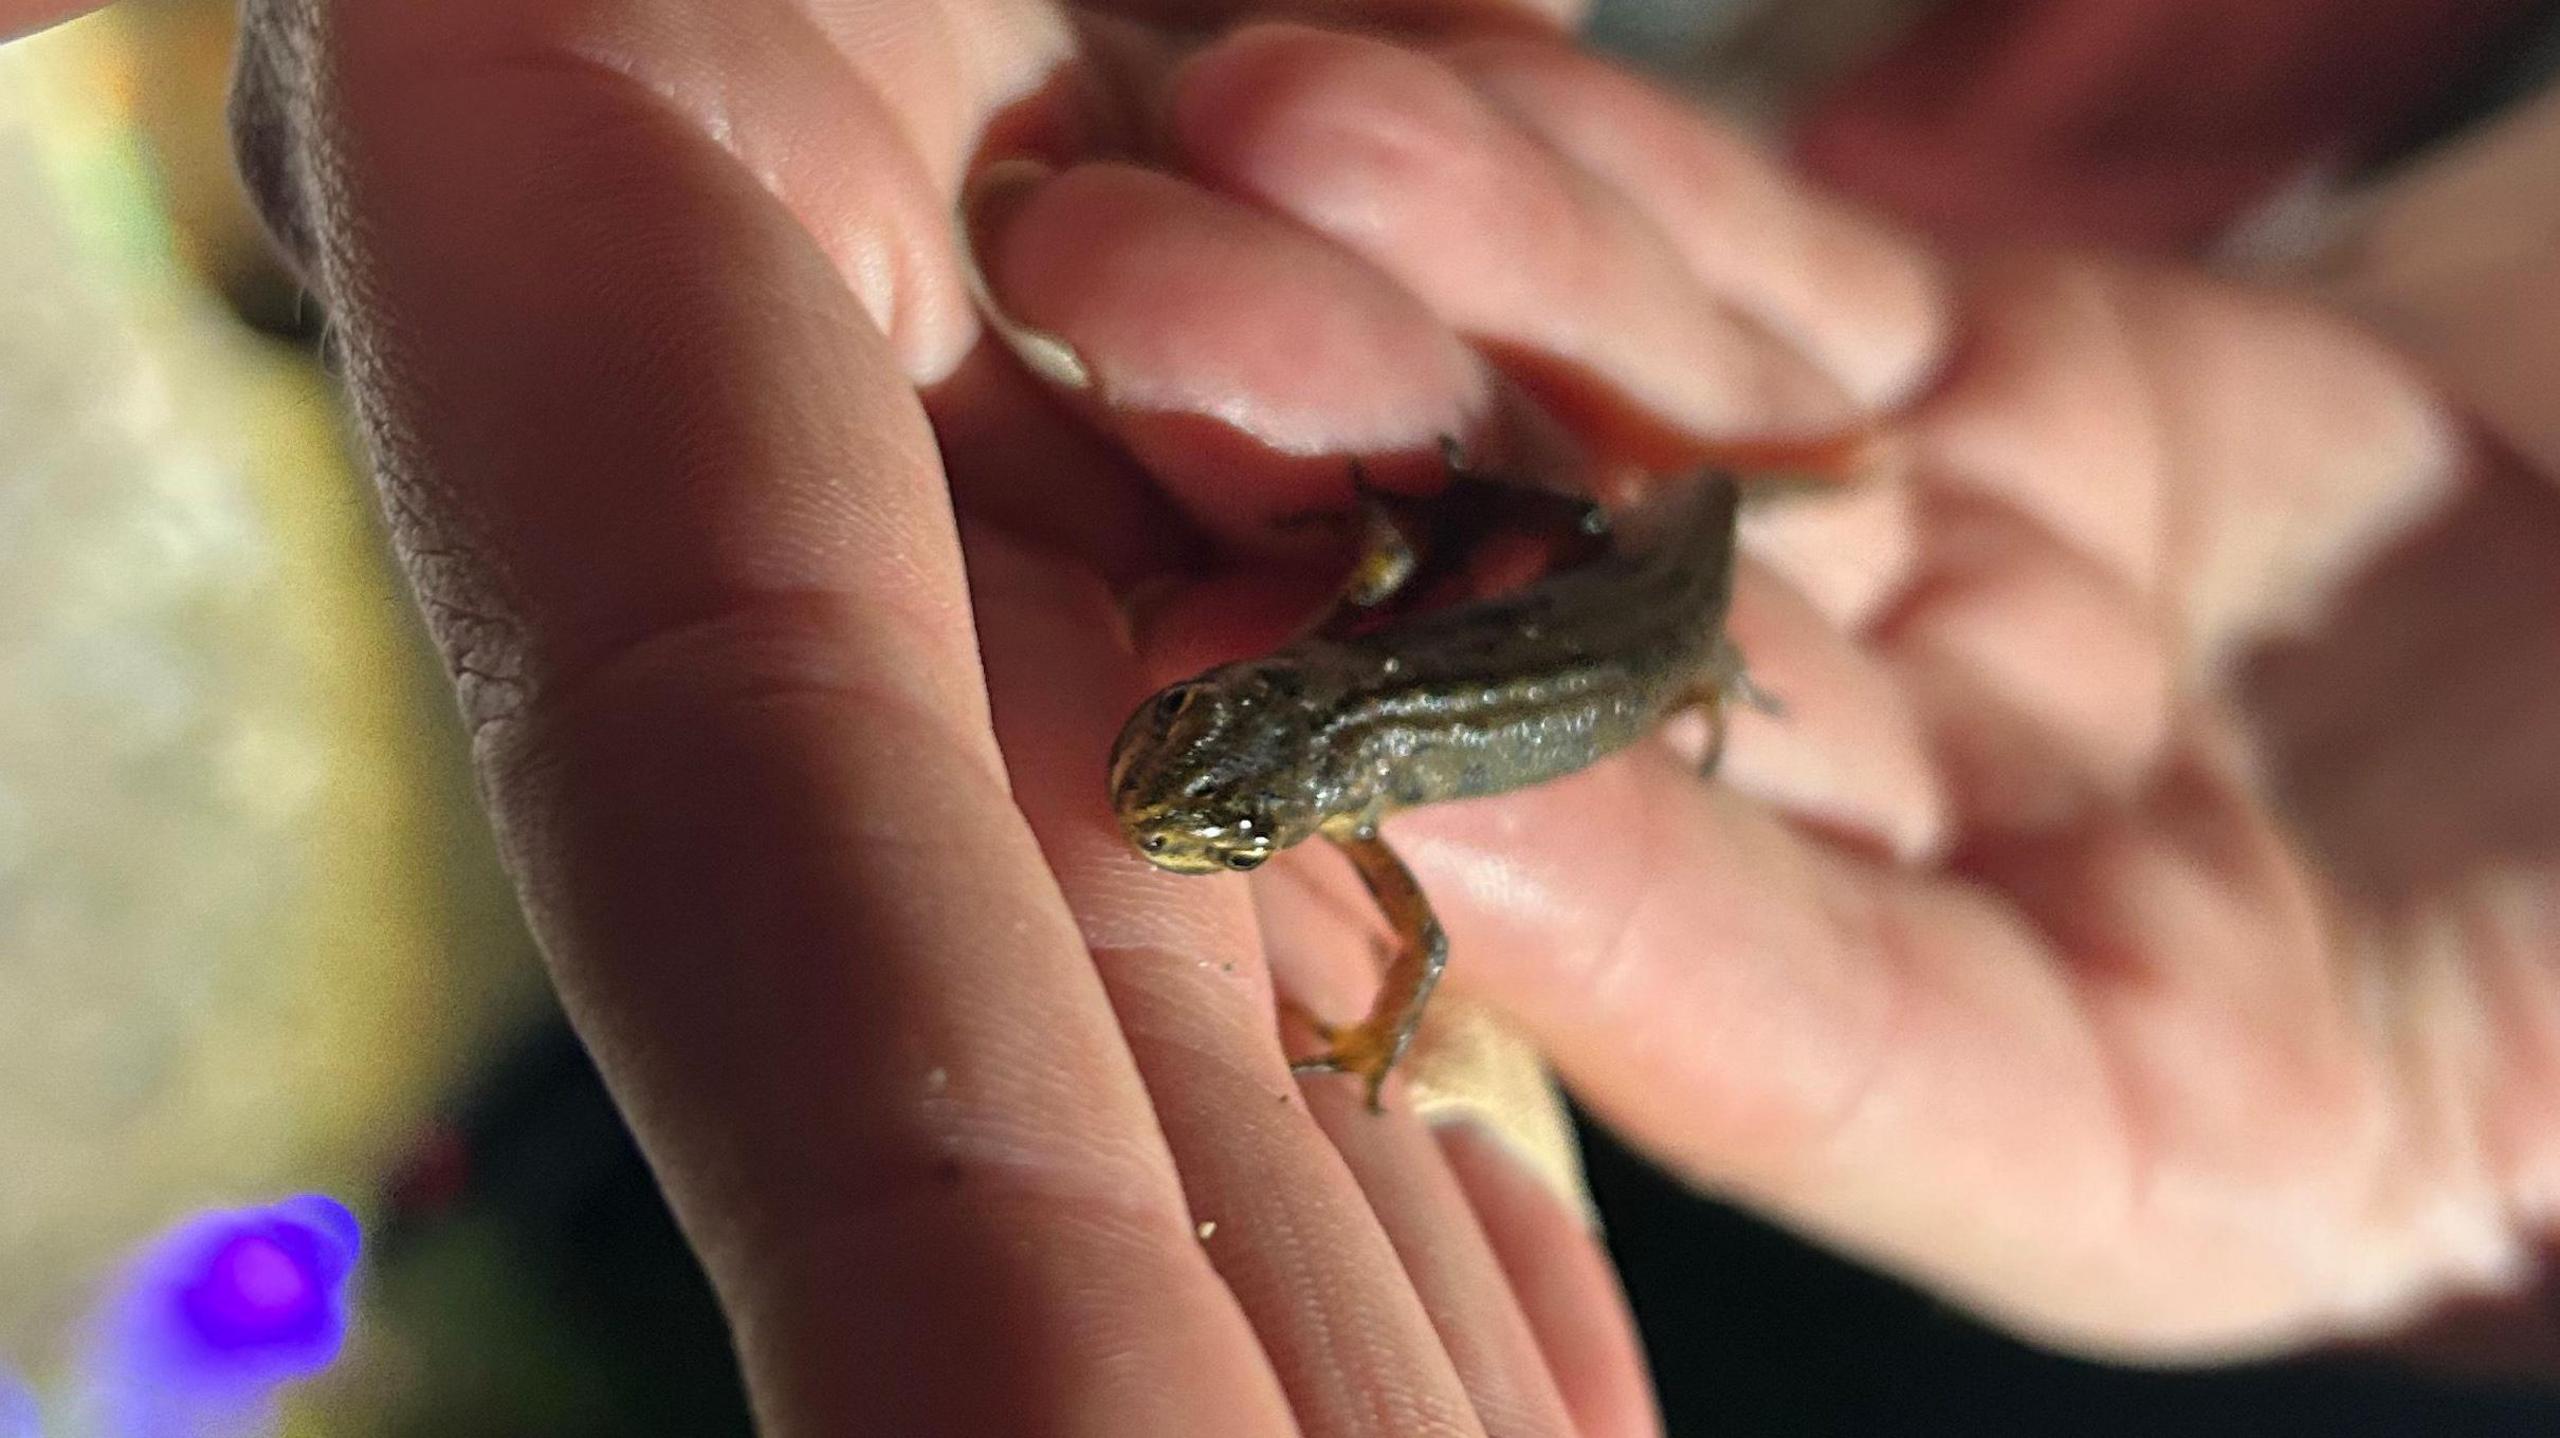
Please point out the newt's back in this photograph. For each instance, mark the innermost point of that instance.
(1497, 694)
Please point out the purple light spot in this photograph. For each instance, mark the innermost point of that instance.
(254, 1291)
(217, 1314)
(18, 1416)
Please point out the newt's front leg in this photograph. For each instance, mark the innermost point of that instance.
(1728, 682)
(1370, 1048)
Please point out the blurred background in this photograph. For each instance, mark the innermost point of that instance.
(253, 942)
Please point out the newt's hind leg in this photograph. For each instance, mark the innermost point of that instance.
(1394, 548)
(1395, 541)
(1408, 545)
(1368, 1050)
(1483, 504)
(1728, 681)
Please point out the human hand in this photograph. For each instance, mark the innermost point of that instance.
(679, 527)
(2037, 1000)
(655, 328)
(2007, 972)
(2141, 925)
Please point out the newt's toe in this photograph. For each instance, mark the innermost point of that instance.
(1365, 1052)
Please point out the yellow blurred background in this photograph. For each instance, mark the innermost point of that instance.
(251, 936)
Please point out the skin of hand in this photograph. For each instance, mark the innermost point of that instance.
(655, 322)
(2134, 124)
(2141, 926)
(1993, 963)
(25, 17)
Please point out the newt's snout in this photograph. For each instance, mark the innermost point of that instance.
(1202, 775)
(1191, 842)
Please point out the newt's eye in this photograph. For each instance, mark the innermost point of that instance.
(1171, 703)
(1153, 843)
(1241, 861)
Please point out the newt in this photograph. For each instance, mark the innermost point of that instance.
(1370, 711)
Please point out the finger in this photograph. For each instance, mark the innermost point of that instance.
(1848, 551)
(2225, 454)
(2476, 315)
(1236, 355)
(1281, 1215)
(1020, 464)
(673, 513)
(2117, 487)
(1848, 755)
(1502, 1126)
(1866, 307)
(1321, 928)
(1564, 1284)
(1391, 155)
(1444, 1249)
(1240, 357)
(25, 17)
(1399, 16)
(1916, 1072)
(2044, 684)
(2130, 126)
(2047, 356)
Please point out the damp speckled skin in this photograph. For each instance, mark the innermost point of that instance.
(1333, 734)
(1364, 716)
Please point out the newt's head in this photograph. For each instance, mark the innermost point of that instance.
(1218, 772)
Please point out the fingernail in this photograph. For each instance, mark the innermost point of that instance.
(987, 206)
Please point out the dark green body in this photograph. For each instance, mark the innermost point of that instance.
(1330, 734)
